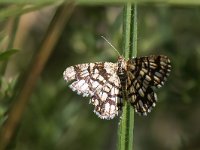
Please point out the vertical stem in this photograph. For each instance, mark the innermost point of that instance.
(134, 31)
(125, 130)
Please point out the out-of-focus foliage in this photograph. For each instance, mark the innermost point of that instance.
(7, 54)
(57, 118)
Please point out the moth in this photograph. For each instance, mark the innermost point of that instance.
(109, 84)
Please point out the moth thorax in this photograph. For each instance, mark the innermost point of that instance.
(121, 71)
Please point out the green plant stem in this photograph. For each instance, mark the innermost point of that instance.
(168, 2)
(125, 130)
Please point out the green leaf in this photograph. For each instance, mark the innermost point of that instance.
(5, 55)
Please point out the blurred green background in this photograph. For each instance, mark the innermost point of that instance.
(57, 118)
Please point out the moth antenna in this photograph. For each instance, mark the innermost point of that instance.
(111, 45)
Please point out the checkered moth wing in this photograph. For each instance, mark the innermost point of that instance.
(144, 75)
(98, 81)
